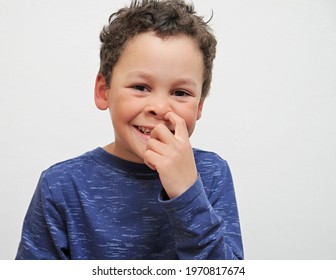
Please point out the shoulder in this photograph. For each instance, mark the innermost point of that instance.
(212, 167)
(64, 180)
(207, 159)
(73, 167)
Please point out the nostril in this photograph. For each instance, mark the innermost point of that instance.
(152, 113)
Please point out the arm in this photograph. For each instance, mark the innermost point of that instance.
(207, 225)
(43, 233)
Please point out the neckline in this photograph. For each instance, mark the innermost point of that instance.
(121, 165)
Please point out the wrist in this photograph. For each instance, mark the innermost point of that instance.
(178, 189)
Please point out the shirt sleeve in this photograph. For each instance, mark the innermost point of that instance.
(43, 233)
(205, 218)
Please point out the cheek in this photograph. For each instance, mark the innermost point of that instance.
(123, 110)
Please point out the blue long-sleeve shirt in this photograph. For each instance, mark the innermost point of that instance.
(98, 206)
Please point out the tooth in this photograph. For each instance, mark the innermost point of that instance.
(144, 130)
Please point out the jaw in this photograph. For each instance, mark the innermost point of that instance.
(130, 146)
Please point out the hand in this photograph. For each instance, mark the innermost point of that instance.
(172, 156)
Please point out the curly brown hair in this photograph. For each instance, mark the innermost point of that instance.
(165, 18)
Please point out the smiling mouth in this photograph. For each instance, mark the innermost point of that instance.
(144, 130)
(147, 130)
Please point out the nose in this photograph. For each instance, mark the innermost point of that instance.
(158, 107)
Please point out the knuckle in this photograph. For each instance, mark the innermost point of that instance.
(160, 127)
(150, 142)
(145, 155)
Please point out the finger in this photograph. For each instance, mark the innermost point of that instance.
(150, 166)
(179, 123)
(157, 146)
(151, 159)
(162, 134)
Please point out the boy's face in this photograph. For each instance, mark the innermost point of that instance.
(152, 77)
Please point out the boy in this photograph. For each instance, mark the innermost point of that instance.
(149, 194)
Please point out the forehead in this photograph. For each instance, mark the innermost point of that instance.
(171, 50)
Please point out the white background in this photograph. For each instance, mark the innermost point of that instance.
(271, 111)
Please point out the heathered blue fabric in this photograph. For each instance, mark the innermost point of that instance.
(98, 206)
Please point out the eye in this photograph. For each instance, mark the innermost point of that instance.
(139, 88)
(180, 93)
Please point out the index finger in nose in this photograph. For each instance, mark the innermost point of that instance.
(178, 123)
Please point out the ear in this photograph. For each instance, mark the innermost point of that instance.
(101, 93)
(200, 109)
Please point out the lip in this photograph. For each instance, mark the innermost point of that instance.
(140, 134)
